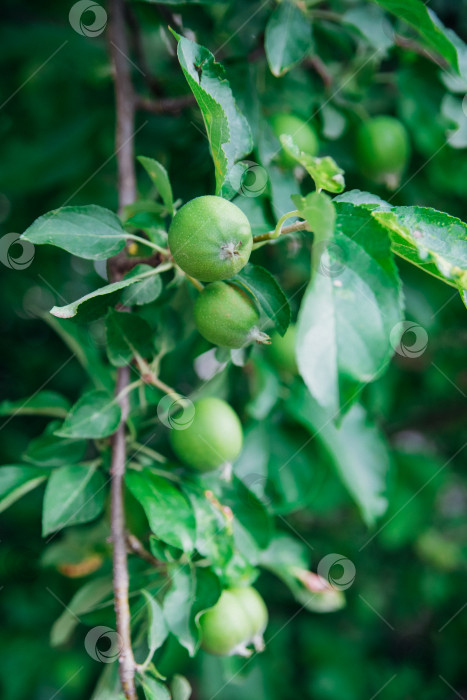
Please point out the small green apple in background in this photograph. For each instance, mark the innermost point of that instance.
(302, 133)
(256, 611)
(226, 316)
(210, 238)
(214, 438)
(237, 620)
(383, 150)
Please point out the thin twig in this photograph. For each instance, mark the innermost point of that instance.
(124, 265)
(320, 68)
(125, 106)
(135, 546)
(271, 235)
(413, 45)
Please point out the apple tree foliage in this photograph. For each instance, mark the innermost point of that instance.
(325, 436)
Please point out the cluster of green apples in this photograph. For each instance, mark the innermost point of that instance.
(211, 240)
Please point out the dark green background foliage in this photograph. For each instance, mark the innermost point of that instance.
(402, 632)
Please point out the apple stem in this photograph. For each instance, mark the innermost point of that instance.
(263, 238)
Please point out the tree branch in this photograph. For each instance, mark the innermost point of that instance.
(120, 568)
(125, 104)
(165, 105)
(124, 146)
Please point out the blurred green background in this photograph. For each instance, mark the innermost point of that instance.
(402, 634)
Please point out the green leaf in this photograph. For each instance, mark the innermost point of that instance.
(373, 25)
(160, 179)
(444, 41)
(319, 211)
(152, 224)
(287, 38)
(214, 537)
(44, 403)
(192, 591)
(356, 448)
(76, 544)
(95, 415)
(108, 686)
(286, 552)
(324, 171)
(89, 232)
(359, 197)
(154, 690)
(432, 240)
(84, 600)
(170, 515)
(267, 292)
(48, 450)
(227, 129)
(268, 388)
(16, 481)
(96, 303)
(351, 305)
(157, 628)
(144, 290)
(74, 494)
(453, 111)
(293, 482)
(127, 335)
(252, 523)
(287, 559)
